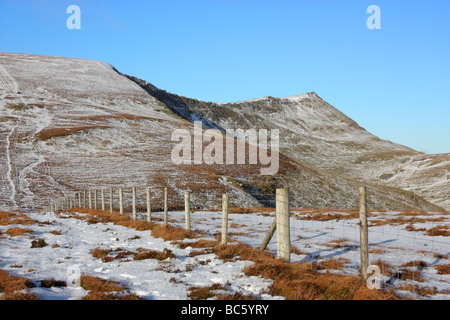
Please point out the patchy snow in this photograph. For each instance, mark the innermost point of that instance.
(313, 240)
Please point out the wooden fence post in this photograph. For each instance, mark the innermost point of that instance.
(121, 200)
(111, 200)
(149, 208)
(283, 225)
(134, 202)
(187, 210)
(166, 207)
(90, 199)
(364, 235)
(269, 235)
(84, 198)
(103, 199)
(95, 199)
(225, 211)
(79, 199)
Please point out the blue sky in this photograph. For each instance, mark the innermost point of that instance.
(394, 81)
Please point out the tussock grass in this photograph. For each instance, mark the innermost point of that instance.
(15, 288)
(18, 231)
(100, 289)
(443, 269)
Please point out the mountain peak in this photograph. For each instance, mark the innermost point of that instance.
(311, 94)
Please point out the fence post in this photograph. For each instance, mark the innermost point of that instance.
(103, 199)
(268, 236)
(187, 210)
(149, 209)
(121, 200)
(166, 207)
(283, 225)
(84, 198)
(225, 211)
(79, 199)
(90, 199)
(111, 200)
(95, 199)
(364, 235)
(134, 202)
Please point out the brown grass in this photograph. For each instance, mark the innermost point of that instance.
(100, 289)
(443, 231)
(203, 293)
(40, 243)
(443, 269)
(141, 254)
(9, 218)
(47, 134)
(13, 287)
(423, 291)
(336, 264)
(18, 231)
(92, 283)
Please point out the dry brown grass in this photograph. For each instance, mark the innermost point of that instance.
(443, 231)
(15, 288)
(141, 254)
(92, 283)
(39, 243)
(18, 231)
(9, 218)
(443, 269)
(50, 133)
(100, 289)
(423, 291)
(335, 264)
(203, 293)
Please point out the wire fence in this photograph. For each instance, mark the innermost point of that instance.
(404, 245)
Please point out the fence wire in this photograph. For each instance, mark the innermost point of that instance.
(402, 244)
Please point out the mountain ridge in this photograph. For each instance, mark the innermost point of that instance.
(74, 124)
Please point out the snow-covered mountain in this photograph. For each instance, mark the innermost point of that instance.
(315, 133)
(70, 124)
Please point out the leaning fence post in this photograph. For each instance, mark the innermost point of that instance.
(166, 207)
(269, 235)
(121, 200)
(364, 236)
(187, 210)
(225, 211)
(149, 209)
(134, 202)
(283, 225)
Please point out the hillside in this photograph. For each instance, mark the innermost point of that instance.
(71, 124)
(315, 133)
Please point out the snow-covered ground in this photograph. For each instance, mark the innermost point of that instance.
(71, 249)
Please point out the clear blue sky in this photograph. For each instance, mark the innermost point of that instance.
(394, 82)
